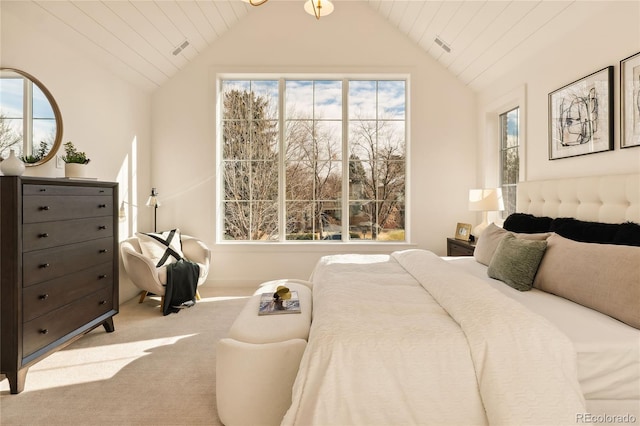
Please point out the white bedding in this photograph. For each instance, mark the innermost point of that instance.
(608, 350)
(485, 359)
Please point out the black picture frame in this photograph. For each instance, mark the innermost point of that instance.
(581, 116)
(630, 101)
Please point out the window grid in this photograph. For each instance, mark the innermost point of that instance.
(322, 211)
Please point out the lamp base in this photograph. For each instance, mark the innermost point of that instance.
(478, 229)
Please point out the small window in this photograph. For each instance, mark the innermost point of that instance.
(509, 159)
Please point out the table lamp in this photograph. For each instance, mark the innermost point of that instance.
(485, 200)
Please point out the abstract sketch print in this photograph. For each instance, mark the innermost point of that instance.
(578, 118)
(636, 97)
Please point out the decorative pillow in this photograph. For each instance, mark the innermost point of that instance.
(488, 243)
(527, 223)
(516, 261)
(162, 248)
(628, 234)
(491, 237)
(584, 231)
(603, 277)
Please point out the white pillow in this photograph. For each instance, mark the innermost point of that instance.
(162, 248)
(490, 238)
(603, 277)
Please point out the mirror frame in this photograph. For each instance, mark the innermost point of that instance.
(56, 112)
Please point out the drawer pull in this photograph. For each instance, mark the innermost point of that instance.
(43, 189)
(44, 331)
(101, 277)
(44, 207)
(102, 206)
(43, 296)
(43, 235)
(103, 302)
(101, 227)
(104, 251)
(44, 265)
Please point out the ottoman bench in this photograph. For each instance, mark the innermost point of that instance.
(257, 363)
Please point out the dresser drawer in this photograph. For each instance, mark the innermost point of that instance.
(48, 328)
(47, 264)
(459, 248)
(47, 208)
(36, 236)
(42, 298)
(44, 189)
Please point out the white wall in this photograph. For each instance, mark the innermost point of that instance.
(281, 37)
(117, 124)
(103, 116)
(612, 35)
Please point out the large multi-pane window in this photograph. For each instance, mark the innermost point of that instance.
(509, 159)
(313, 159)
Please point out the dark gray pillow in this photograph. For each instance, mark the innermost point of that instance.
(516, 261)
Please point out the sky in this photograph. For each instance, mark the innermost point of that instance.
(322, 99)
(11, 107)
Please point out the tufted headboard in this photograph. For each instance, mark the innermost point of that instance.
(610, 198)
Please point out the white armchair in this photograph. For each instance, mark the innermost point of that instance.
(152, 280)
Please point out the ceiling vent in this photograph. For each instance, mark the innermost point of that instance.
(442, 44)
(180, 48)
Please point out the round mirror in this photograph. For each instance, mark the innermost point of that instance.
(30, 120)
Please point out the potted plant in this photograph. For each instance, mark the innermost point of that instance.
(75, 161)
(38, 155)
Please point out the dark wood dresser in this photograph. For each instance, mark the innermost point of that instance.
(58, 266)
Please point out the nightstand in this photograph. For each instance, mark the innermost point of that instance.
(460, 247)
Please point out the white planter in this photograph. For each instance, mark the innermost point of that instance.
(75, 170)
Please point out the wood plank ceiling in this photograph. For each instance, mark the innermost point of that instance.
(142, 39)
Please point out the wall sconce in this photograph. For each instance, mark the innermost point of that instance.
(154, 202)
(485, 200)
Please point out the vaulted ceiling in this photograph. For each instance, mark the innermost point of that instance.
(143, 38)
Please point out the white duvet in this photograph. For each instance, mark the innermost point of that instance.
(408, 339)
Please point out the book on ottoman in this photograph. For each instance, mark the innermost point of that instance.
(270, 306)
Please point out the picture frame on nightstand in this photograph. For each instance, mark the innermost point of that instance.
(463, 231)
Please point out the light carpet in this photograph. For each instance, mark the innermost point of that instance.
(153, 370)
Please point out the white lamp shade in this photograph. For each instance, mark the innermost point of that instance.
(486, 200)
(326, 7)
(153, 202)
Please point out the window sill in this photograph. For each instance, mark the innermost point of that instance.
(307, 247)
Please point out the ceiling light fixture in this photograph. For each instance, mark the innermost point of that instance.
(322, 8)
(440, 42)
(317, 8)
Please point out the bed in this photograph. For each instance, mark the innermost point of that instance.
(413, 338)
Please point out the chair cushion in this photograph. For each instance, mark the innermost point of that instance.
(162, 248)
(162, 273)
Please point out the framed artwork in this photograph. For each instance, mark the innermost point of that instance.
(581, 116)
(630, 101)
(463, 231)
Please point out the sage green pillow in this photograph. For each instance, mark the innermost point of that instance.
(516, 261)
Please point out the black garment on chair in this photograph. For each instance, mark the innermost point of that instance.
(182, 283)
